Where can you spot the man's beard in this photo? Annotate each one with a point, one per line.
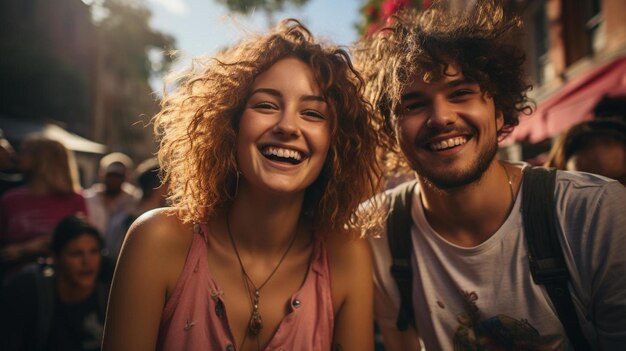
(450, 180)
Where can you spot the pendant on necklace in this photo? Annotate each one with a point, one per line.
(256, 322)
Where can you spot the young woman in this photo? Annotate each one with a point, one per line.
(268, 150)
(29, 214)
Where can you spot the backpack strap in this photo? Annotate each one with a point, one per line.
(399, 237)
(546, 260)
(43, 276)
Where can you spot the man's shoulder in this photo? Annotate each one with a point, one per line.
(573, 187)
(378, 208)
(582, 179)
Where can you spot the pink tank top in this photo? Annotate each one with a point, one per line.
(194, 318)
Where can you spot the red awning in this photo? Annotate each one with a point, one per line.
(573, 103)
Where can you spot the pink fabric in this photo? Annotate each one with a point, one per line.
(25, 215)
(195, 317)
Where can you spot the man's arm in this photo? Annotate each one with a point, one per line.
(606, 254)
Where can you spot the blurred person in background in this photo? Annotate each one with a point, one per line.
(28, 214)
(597, 146)
(10, 176)
(114, 195)
(153, 195)
(612, 107)
(60, 306)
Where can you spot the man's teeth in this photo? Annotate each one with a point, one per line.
(447, 144)
(280, 152)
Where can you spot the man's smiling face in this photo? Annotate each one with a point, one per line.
(447, 129)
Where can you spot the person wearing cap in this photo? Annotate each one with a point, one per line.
(114, 194)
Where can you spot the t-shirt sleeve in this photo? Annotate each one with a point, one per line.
(607, 240)
(595, 227)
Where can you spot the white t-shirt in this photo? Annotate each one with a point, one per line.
(486, 292)
(99, 215)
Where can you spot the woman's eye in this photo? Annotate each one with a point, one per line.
(314, 114)
(264, 106)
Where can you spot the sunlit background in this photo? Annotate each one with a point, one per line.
(86, 71)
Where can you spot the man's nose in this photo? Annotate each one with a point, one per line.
(442, 114)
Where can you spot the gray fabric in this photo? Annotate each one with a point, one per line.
(488, 290)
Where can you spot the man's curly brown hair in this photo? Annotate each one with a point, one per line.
(479, 40)
(198, 125)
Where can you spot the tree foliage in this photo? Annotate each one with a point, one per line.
(132, 53)
(127, 40)
(268, 6)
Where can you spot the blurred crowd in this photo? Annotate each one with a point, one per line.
(59, 242)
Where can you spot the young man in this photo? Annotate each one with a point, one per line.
(60, 306)
(449, 85)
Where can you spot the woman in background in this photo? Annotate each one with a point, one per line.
(29, 214)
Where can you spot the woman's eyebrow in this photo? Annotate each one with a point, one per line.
(313, 98)
(278, 94)
(269, 91)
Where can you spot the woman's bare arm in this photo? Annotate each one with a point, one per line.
(351, 276)
(152, 258)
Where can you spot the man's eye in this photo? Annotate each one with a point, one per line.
(461, 93)
(413, 106)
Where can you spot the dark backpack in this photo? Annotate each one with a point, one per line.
(546, 261)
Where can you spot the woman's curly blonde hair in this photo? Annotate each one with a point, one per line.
(479, 39)
(198, 124)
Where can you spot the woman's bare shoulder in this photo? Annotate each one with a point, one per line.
(160, 226)
(346, 249)
(159, 236)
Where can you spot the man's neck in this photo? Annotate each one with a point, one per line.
(469, 215)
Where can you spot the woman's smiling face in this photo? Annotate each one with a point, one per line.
(284, 131)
